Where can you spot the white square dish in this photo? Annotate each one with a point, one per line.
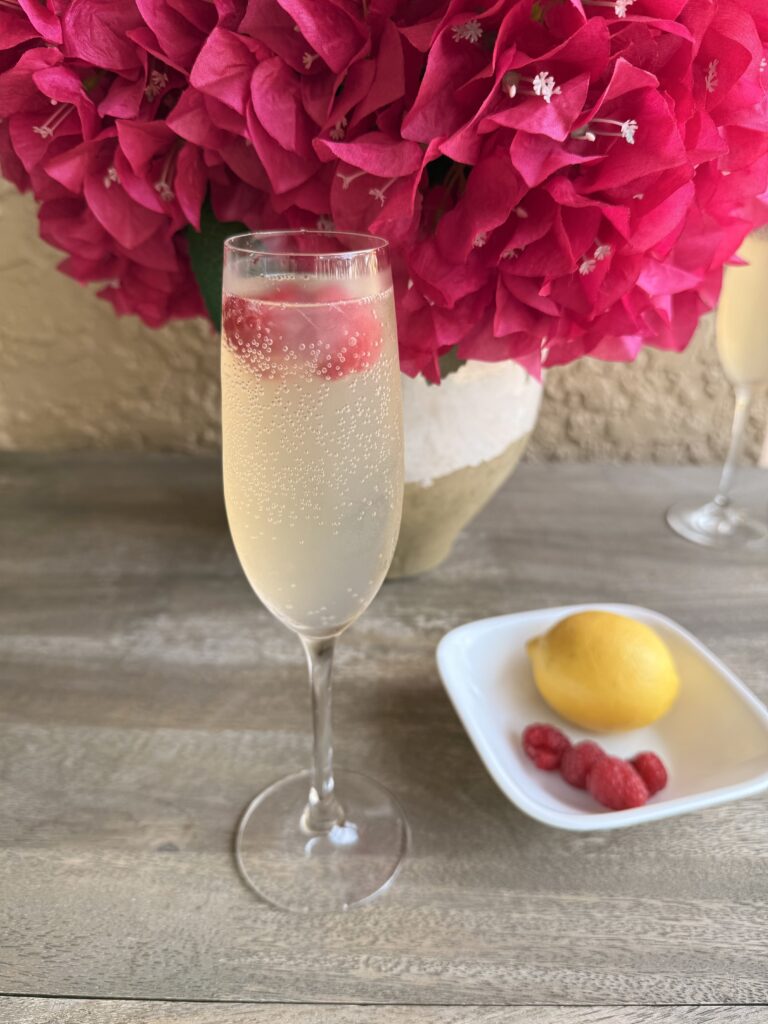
(714, 741)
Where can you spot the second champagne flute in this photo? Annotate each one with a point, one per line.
(313, 481)
(741, 328)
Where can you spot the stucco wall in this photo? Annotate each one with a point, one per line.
(73, 375)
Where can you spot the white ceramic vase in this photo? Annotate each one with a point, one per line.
(463, 439)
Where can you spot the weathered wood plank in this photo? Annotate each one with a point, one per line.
(146, 696)
(98, 1011)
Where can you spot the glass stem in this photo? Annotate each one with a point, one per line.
(740, 413)
(323, 810)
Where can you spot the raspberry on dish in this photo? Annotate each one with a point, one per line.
(615, 784)
(578, 760)
(545, 745)
(651, 770)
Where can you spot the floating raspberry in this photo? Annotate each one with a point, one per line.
(615, 784)
(330, 336)
(651, 770)
(241, 324)
(545, 745)
(578, 760)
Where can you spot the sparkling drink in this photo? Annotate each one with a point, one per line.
(742, 345)
(312, 441)
(313, 465)
(742, 316)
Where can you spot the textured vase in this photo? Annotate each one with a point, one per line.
(463, 439)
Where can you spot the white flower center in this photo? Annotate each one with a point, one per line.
(471, 30)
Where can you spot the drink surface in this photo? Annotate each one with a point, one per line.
(742, 316)
(312, 447)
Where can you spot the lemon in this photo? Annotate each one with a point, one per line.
(604, 671)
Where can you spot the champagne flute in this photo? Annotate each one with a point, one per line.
(313, 483)
(741, 329)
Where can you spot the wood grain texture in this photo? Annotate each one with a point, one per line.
(79, 1011)
(146, 696)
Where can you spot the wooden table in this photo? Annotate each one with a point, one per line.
(146, 696)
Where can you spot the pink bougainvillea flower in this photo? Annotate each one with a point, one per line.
(96, 33)
(223, 69)
(45, 111)
(276, 103)
(493, 191)
(18, 89)
(155, 296)
(41, 19)
(174, 30)
(266, 95)
(375, 153)
(10, 166)
(375, 186)
(555, 180)
(155, 288)
(216, 129)
(274, 32)
(161, 171)
(68, 224)
(333, 28)
(15, 27)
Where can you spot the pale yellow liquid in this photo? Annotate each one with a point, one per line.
(742, 316)
(313, 470)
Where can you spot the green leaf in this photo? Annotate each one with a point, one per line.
(206, 254)
(450, 362)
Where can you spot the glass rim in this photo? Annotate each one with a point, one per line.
(376, 243)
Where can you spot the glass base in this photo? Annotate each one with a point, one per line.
(295, 869)
(717, 526)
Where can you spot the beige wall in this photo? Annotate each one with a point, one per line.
(73, 375)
